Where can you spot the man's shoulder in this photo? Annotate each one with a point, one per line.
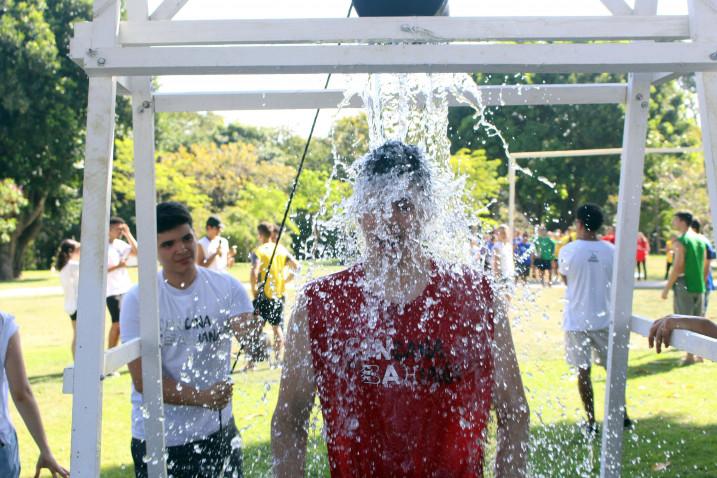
(342, 279)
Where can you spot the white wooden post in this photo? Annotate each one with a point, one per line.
(632, 162)
(145, 207)
(628, 219)
(703, 18)
(511, 195)
(97, 186)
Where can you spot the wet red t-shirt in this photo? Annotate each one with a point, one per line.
(405, 392)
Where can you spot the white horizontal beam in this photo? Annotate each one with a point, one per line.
(681, 339)
(399, 29)
(167, 9)
(509, 95)
(598, 152)
(121, 355)
(465, 58)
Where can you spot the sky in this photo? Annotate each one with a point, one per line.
(299, 121)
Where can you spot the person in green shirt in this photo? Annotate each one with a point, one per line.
(689, 269)
(544, 252)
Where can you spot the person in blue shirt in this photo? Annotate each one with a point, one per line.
(523, 251)
(711, 255)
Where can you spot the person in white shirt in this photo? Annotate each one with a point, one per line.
(213, 252)
(118, 281)
(503, 261)
(199, 311)
(68, 265)
(14, 383)
(586, 268)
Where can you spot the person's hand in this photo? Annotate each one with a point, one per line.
(46, 460)
(660, 333)
(217, 396)
(122, 263)
(124, 229)
(665, 293)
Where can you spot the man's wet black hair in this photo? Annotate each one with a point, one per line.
(696, 225)
(685, 216)
(397, 158)
(172, 214)
(590, 216)
(116, 220)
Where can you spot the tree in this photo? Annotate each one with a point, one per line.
(42, 114)
(11, 202)
(548, 190)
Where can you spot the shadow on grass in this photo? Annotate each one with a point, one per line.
(257, 462)
(656, 365)
(22, 281)
(50, 377)
(658, 446)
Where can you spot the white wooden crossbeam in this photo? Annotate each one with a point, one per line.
(598, 152)
(399, 29)
(509, 95)
(617, 7)
(167, 9)
(680, 339)
(466, 58)
(118, 357)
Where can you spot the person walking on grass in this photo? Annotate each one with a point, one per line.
(199, 311)
(643, 249)
(213, 251)
(269, 285)
(586, 266)
(504, 261)
(711, 255)
(544, 252)
(118, 281)
(14, 383)
(408, 356)
(689, 269)
(67, 264)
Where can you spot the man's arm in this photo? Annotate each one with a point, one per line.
(294, 267)
(130, 239)
(707, 262)
(254, 279)
(661, 329)
(215, 397)
(511, 405)
(246, 327)
(296, 398)
(678, 267)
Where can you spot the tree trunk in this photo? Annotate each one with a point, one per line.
(28, 225)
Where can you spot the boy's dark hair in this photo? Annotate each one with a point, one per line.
(685, 216)
(696, 225)
(590, 216)
(264, 229)
(395, 157)
(116, 220)
(172, 214)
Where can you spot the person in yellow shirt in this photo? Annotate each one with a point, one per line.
(269, 291)
(670, 254)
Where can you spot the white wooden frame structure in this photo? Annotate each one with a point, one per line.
(121, 56)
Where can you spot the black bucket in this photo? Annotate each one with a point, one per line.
(401, 8)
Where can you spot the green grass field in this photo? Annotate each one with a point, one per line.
(675, 407)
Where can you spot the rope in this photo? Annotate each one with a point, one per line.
(292, 193)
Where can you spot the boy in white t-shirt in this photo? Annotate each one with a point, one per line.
(586, 268)
(213, 251)
(118, 281)
(199, 311)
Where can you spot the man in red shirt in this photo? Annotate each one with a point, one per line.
(408, 354)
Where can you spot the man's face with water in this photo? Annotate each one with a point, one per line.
(390, 220)
(176, 249)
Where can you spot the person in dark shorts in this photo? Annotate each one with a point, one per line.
(200, 310)
(544, 251)
(269, 286)
(118, 281)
